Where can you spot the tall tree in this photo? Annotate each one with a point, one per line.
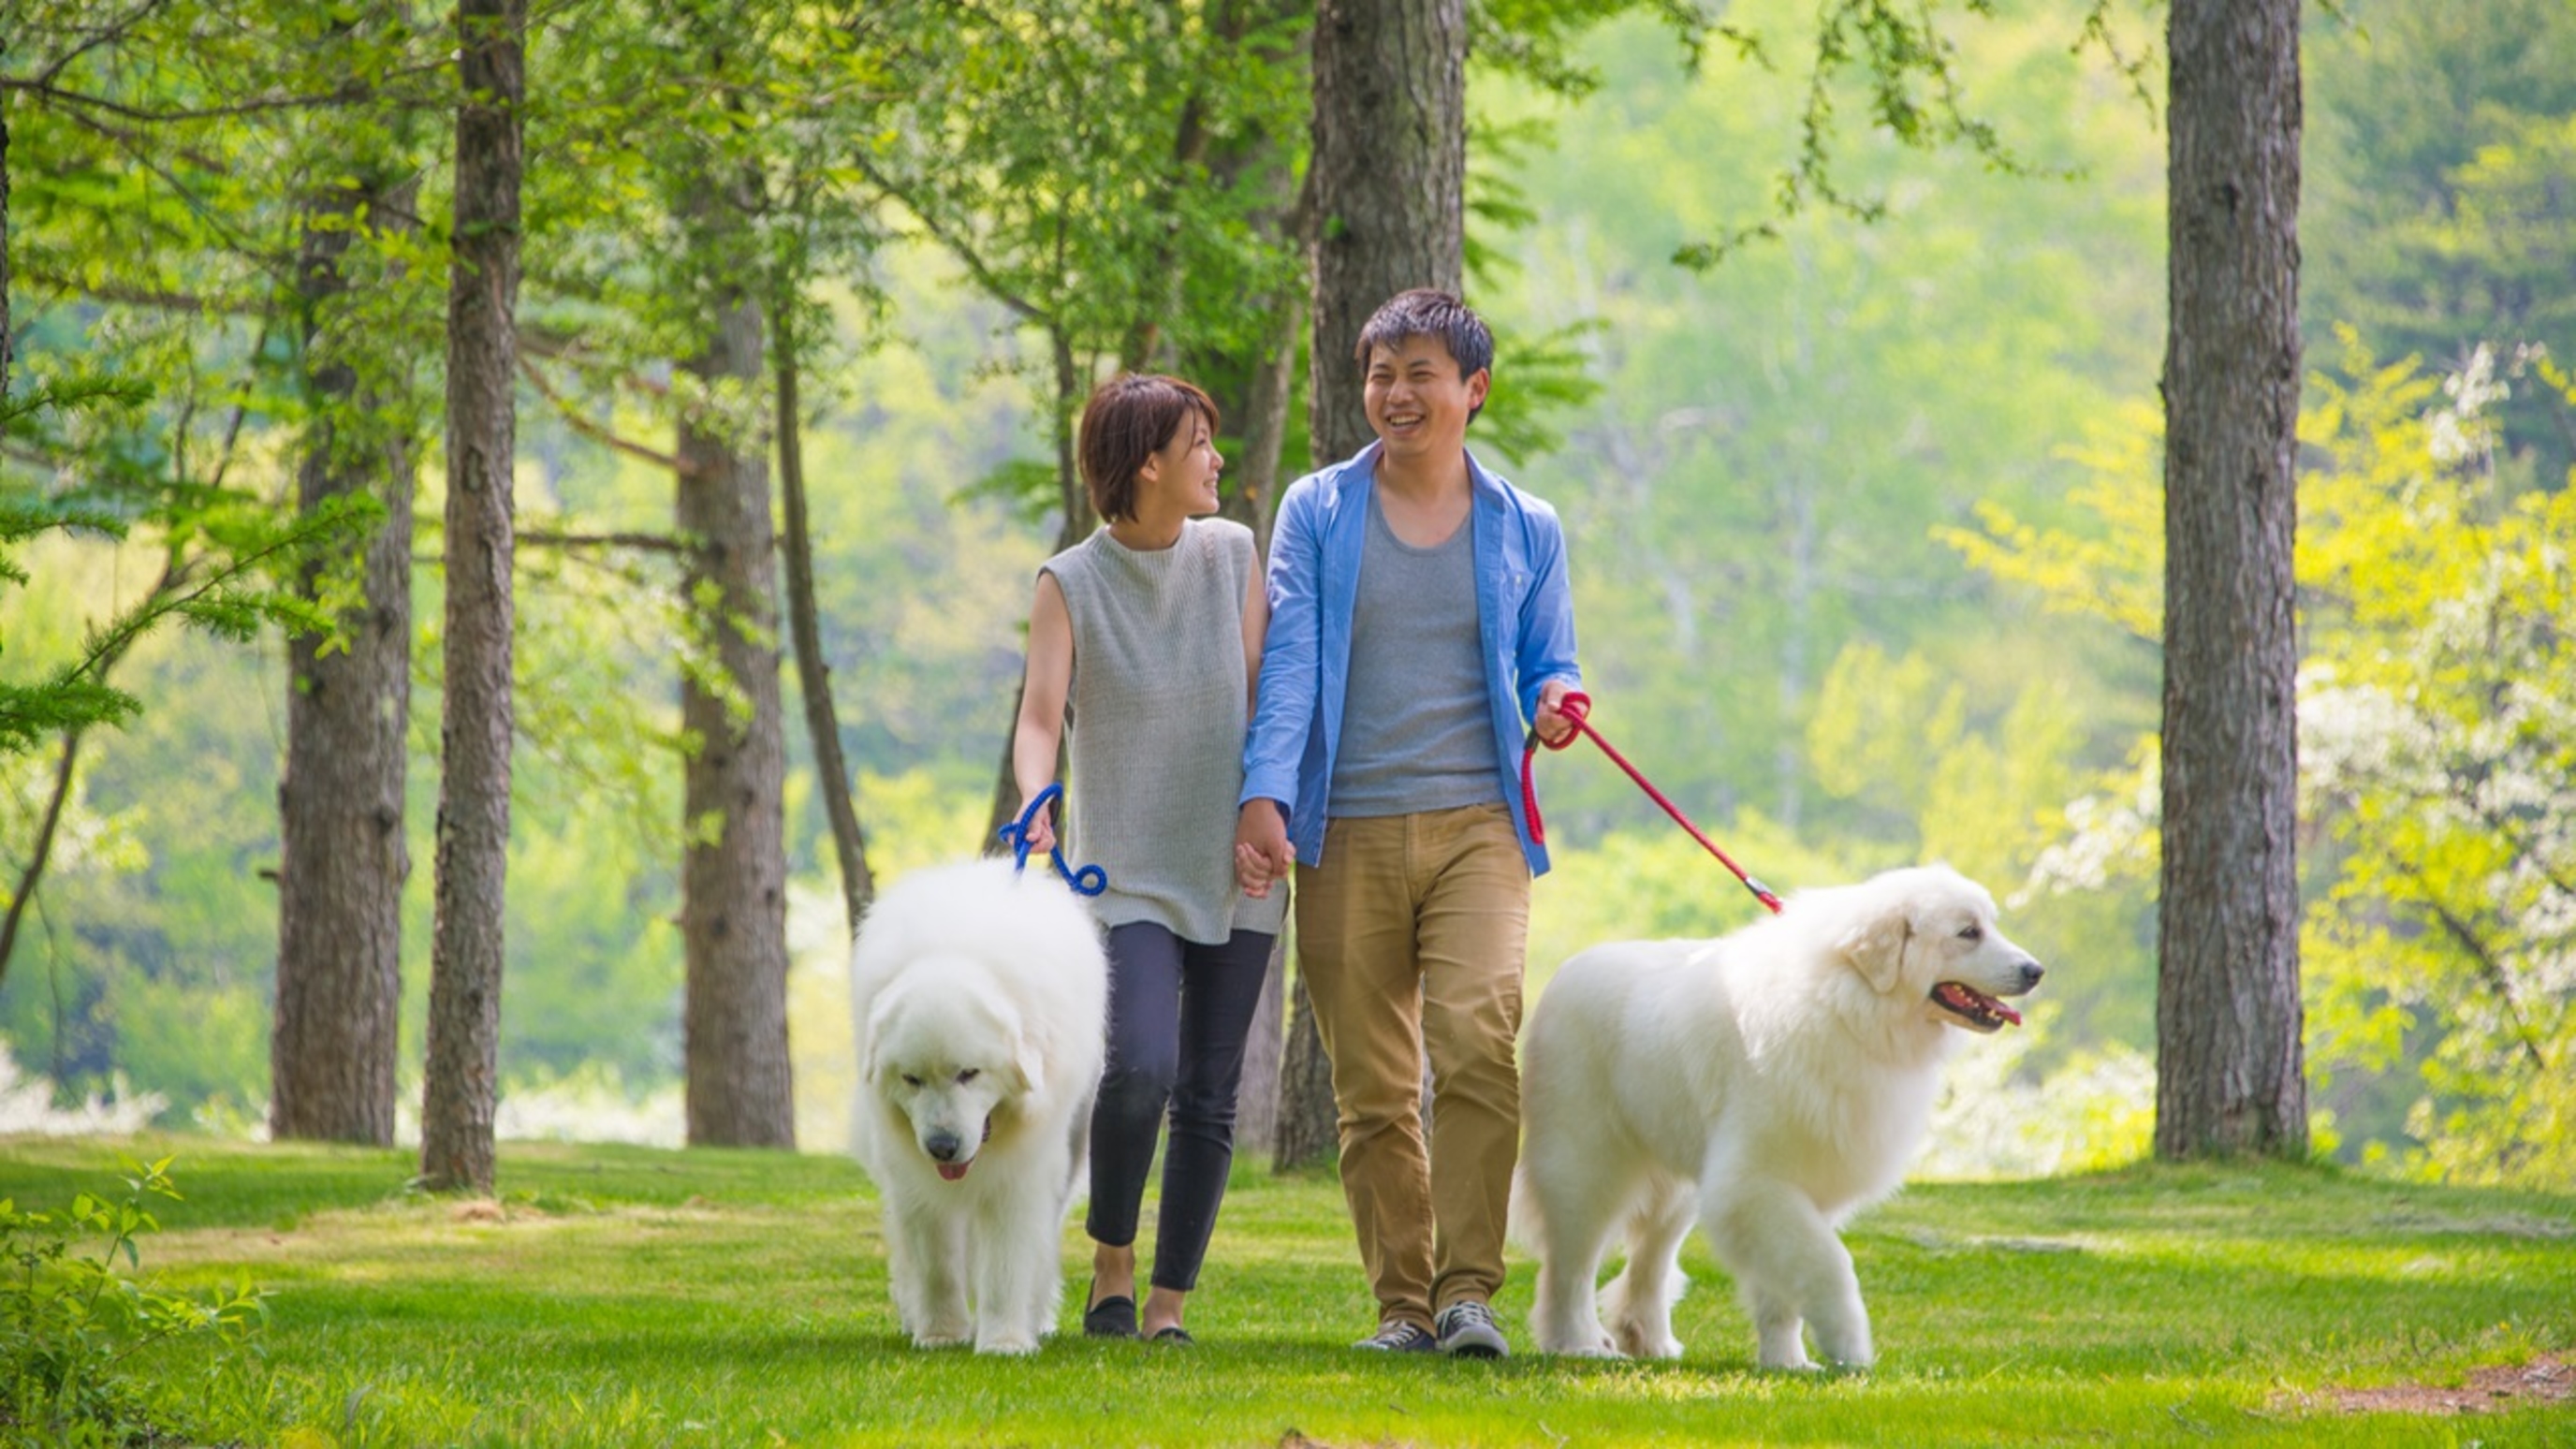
(4, 236)
(1389, 173)
(813, 672)
(460, 1091)
(1390, 179)
(334, 1041)
(733, 878)
(2230, 1076)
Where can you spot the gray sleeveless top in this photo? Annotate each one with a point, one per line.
(1157, 717)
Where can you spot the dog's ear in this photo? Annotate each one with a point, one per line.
(1027, 1063)
(872, 1031)
(1876, 946)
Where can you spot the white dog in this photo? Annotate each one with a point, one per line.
(1769, 1084)
(979, 995)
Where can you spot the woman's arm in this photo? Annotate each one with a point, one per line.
(1256, 623)
(1049, 678)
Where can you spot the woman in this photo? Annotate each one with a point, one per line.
(1150, 630)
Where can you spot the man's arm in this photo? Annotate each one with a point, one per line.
(1284, 704)
(1545, 652)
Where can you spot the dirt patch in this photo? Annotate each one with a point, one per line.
(2541, 1381)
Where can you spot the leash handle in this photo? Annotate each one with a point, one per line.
(1090, 880)
(1577, 707)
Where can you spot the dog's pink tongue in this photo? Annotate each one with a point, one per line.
(952, 1171)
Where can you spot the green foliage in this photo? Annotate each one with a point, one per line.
(2442, 143)
(1898, 65)
(81, 1343)
(2436, 599)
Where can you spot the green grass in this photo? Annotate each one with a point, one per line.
(631, 1296)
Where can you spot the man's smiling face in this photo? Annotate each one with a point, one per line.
(1416, 400)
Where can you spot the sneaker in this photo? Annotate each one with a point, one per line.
(1467, 1330)
(1397, 1336)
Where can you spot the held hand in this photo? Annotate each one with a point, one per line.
(1553, 724)
(1261, 850)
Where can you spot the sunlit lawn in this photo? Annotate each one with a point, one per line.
(632, 1296)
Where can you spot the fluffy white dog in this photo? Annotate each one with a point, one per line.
(1769, 1084)
(979, 995)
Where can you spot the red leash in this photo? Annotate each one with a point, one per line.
(1575, 706)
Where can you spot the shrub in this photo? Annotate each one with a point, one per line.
(73, 1330)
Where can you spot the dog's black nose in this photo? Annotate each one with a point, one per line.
(2031, 971)
(941, 1145)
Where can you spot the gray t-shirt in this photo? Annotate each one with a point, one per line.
(1417, 726)
(1157, 714)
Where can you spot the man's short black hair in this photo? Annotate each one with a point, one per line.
(1424, 312)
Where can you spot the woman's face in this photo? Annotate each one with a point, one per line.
(1184, 471)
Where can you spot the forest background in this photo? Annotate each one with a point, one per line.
(1865, 521)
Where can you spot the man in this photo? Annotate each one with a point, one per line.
(1419, 612)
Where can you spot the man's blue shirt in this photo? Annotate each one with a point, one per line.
(1524, 608)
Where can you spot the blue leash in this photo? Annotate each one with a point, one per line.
(1091, 880)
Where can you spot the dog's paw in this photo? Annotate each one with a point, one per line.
(1596, 1344)
(939, 1338)
(1015, 1344)
(1636, 1342)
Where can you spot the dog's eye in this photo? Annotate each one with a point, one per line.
(1971, 932)
(910, 1080)
(968, 1075)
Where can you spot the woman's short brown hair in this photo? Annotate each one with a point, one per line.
(1127, 421)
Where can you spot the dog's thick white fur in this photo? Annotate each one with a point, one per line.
(979, 995)
(1767, 1084)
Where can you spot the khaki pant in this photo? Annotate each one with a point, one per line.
(1412, 934)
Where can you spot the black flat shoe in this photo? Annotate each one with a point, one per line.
(1173, 1334)
(1110, 1317)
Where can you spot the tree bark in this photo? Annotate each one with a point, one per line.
(461, 1089)
(334, 1042)
(1079, 520)
(1389, 176)
(1256, 504)
(2230, 1076)
(4, 239)
(813, 672)
(1265, 1049)
(734, 874)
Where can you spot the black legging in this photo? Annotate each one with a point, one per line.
(1179, 1014)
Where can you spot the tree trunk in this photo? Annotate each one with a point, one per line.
(1256, 505)
(1389, 181)
(813, 674)
(4, 239)
(334, 1043)
(734, 875)
(1079, 520)
(461, 1090)
(1390, 173)
(1305, 1132)
(2230, 1077)
(1256, 1120)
